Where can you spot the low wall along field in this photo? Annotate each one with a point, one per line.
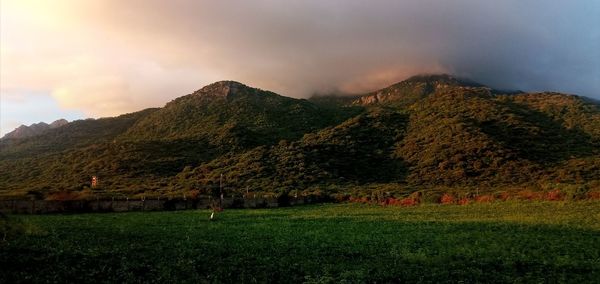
(123, 205)
(23, 206)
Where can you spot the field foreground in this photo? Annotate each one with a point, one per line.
(496, 242)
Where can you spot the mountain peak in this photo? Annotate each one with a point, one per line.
(416, 88)
(221, 89)
(58, 123)
(225, 84)
(442, 79)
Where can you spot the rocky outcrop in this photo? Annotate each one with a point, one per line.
(418, 87)
(58, 123)
(222, 89)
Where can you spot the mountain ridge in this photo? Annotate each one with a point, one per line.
(34, 129)
(428, 132)
(223, 88)
(226, 88)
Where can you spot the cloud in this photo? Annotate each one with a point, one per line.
(110, 57)
(31, 108)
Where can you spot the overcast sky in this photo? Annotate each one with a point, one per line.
(77, 59)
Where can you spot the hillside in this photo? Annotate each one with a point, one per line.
(144, 150)
(231, 115)
(431, 132)
(69, 136)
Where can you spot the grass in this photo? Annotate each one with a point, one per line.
(496, 242)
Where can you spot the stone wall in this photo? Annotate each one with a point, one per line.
(124, 205)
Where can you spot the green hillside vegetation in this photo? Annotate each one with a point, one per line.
(356, 151)
(231, 115)
(76, 134)
(431, 132)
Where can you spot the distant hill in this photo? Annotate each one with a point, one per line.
(69, 136)
(35, 129)
(427, 132)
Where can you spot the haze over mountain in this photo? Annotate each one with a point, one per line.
(427, 132)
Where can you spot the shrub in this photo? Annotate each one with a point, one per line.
(555, 195)
(578, 193)
(283, 199)
(391, 201)
(63, 196)
(431, 197)
(409, 201)
(417, 196)
(504, 196)
(358, 200)
(193, 194)
(529, 195)
(484, 198)
(447, 199)
(595, 195)
(340, 197)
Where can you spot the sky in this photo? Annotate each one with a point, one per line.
(75, 59)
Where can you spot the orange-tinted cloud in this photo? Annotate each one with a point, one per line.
(106, 57)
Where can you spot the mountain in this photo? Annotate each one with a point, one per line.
(35, 129)
(70, 136)
(429, 132)
(232, 115)
(147, 148)
(418, 87)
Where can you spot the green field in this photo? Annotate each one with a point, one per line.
(496, 242)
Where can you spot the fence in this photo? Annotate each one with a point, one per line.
(123, 205)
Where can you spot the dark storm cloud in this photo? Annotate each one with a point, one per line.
(298, 47)
(107, 57)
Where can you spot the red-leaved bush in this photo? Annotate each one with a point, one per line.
(391, 201)
(555, 195)
(593, 195)
(358, 200)
(409, 201)
(504, 196)
(412, 200)
(529, 195)
(484, 198)
(447, 199)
